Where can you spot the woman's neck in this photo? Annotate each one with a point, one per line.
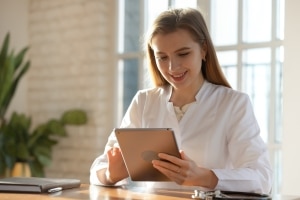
(183, 96)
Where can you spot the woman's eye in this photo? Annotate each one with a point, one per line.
(184, 54)
(161, 58)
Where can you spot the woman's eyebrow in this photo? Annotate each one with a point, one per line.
(176, 51)
(182, 49)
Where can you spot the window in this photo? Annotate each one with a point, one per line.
(129, 51)
(248, 36)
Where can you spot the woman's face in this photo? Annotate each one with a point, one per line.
(179, 58)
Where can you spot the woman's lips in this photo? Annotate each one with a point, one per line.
(178, 77)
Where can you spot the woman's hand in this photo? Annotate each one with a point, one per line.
(116, 170)
(184, 171)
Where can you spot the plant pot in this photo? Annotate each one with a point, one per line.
(21, 169)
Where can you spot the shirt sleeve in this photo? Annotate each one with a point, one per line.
(130, 120)
(250, 170)
(101, 162)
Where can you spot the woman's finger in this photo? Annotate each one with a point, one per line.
(170, 158)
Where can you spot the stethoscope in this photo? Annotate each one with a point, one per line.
(228, 195)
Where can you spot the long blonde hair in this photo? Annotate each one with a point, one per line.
(191, 20)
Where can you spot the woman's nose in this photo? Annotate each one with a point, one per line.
(173, 64)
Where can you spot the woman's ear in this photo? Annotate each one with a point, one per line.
(203, 50)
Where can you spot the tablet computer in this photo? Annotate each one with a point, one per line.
(140, 146)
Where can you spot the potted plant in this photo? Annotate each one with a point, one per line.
(12, 69)
(18, 143)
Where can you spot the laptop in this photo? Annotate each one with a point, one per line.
(140, 146)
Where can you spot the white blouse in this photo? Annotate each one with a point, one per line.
(218, 131)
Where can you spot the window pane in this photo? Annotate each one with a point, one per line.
(278, 93)
(130, 30)
(153, 9)
(224, 19)
(280, 20)
(184, 3)
(257, 20)
(129, 79)
(228, 62)
(256, 83)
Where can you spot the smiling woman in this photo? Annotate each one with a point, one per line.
(218, 135)
(251, 61)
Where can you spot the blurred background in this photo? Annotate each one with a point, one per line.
(88, 54)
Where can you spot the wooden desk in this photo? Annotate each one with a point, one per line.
(99, 193)
(90, 192)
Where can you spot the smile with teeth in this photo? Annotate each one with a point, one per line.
(178, 75)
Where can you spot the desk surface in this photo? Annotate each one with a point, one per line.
(90, 192)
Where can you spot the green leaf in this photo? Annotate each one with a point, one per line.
(43, 155)
(20, 121)
(19, 57)
(45, 141)
(4, 49)
(18, 130)
(10, 161)
(6, 82)
(2, 164)
(13, 87)
(74, 117)
(39, 132)
(8, 144)
(23, 152)
(2, 137)
(55, 127)
(36, 168)
(10, 147)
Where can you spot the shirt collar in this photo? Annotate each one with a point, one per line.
(168, 91)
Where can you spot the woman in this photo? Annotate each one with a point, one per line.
(214, 126)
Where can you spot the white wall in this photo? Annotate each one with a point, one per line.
(72, 54)
(14, 18)
(291, 100)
